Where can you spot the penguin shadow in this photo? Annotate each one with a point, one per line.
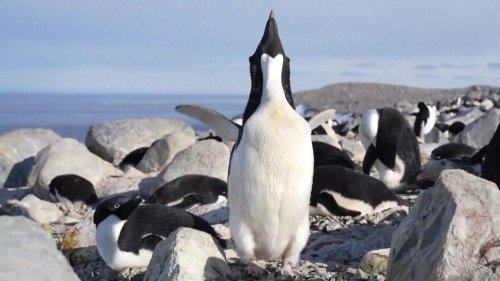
(19, 173)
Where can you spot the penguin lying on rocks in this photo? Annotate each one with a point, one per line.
(127, 232)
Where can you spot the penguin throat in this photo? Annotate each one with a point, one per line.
(271, 76)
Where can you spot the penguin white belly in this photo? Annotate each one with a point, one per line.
(270, 183)
(431, 121)
(107, 234)
(391, 177)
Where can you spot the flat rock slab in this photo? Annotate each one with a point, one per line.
(114, 140)
(453, 233)
(479, 133)
(30, 253)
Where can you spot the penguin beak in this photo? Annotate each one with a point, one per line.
(270, 43)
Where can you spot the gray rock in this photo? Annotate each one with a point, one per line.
(115, 140)
(163, 151)
(375, 262)
(214, 213)
(453, 233)
(479, 133)
(17, 151)
(333, 141)
(405, 107)
(67, 156)
(353, 148)
(187, 254)
(30, 253)
(209, 157)
(486, 105)
(78, 243)
(38, 210)
(18, 193)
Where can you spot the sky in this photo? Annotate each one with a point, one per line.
(173, 47)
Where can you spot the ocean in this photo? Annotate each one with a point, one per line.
(71, 115)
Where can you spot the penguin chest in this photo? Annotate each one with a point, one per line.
(275, 151)
(107, 234)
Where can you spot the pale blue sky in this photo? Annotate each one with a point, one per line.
(203, 46)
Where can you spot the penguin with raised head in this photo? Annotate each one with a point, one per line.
(72, 188)
(127, 232)
(490, 168)
(271, 167)
(425, 119)
(391, 145)
(339, 191)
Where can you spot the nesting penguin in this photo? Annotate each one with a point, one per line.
(452, 150)
(425, 119)
(391, 146)
(127, 232)
(325, 154)
(72, 188)
(339, 191)
(271, 167)
(188, 190)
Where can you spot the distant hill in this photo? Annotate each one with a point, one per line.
(357, 97)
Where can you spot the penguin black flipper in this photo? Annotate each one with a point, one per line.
(387, 137)
(225, 128)
(369, 160)
(328, 201)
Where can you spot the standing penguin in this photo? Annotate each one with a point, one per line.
(391, 145)
(271, 168)
(425, 119)
(127, 233)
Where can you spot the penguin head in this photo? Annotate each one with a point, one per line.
(269, 69)
(120, 206)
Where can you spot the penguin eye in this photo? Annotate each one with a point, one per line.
(116, 206)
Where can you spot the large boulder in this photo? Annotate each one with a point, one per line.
(208, 157)
(67, 156)
(30, 253)
(115, 140)
(453, 233)
(479, 133)
(163, 151)
(17, 151)
(187, 254)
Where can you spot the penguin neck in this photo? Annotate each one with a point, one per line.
(272, 90)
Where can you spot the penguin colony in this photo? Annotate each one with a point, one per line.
(277, 176)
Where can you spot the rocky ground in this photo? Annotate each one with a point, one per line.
(459, 211)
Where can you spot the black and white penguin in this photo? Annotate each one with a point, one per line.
(133, 158)
(325, 154)
(271, 167)
(127, 232)
(453, 130)
(391, 145)
(490, 168)
(72, 188)
(188, 190)
(339, 191)
(452, 150)
(425, 119)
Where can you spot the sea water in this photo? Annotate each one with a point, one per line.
(71, 115)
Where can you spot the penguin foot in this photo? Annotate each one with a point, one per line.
(254, 269)
(288, 271)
